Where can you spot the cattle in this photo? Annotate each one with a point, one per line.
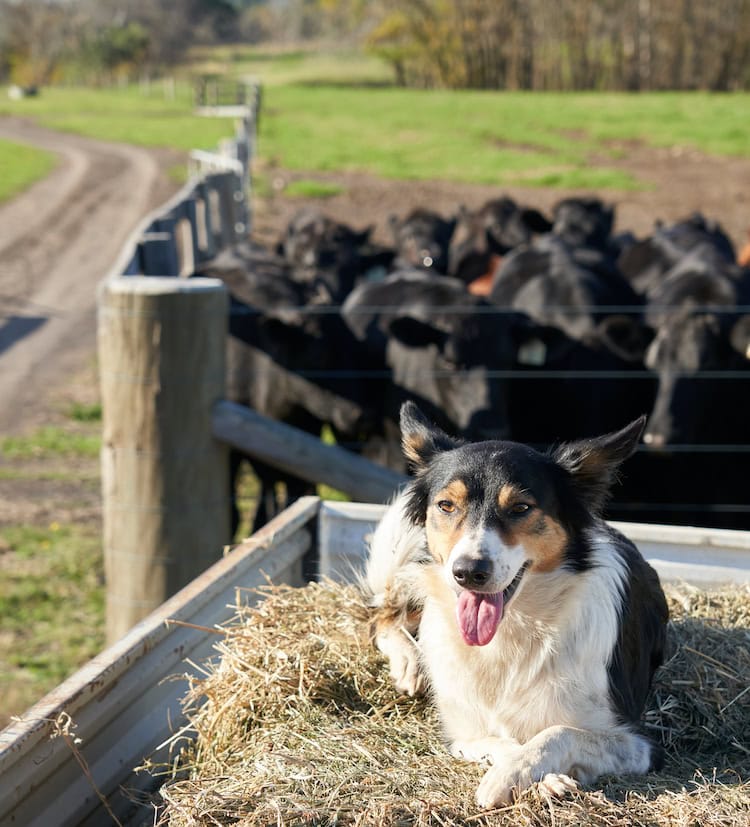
(645, 262)
(556, 284)
(482, 236)
(322, 249)
(421, 240)
(287, 351)
(563, 347)
(432, 341)
(583, 222)
(694, 468)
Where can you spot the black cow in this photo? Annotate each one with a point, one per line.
(287, 351)
(430, 340)
(583, 222)
(421, 240)
(322, 249)
(573, 289)
(699, 428)
(480, 236)
(645, 262)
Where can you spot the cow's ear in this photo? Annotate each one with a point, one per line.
(740, 337)
(593, 463)
(420, 439)
(363, 236)
(534, 220)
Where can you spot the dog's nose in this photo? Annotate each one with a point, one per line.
(471, 573)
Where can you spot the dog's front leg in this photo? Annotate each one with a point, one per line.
(397, 643)
(559, 757)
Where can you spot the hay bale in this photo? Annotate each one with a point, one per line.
(296, 722)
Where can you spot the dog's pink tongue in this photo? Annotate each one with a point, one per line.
(479, 616)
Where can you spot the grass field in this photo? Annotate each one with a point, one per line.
(337, 111)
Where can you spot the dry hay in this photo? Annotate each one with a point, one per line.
(296, 722)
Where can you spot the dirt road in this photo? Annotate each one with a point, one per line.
(57, 241)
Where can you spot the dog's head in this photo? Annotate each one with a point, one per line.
(493, 511)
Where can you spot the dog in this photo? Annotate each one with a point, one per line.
(535, 626)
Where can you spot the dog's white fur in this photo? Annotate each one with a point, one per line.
(535, 701)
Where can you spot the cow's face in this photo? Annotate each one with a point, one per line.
(422, 240)
(683, 352)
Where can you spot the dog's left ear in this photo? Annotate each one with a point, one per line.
(420, 439)
(594, 462)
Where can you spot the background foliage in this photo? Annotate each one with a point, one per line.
(482, 44)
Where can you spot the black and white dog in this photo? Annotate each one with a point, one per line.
(536, 626)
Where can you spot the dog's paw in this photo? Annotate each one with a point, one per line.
(499, 785)
(506, 780)
(403, 661)
(557, 785)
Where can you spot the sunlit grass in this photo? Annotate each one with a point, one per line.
(307, 188)
(51, 607)
(20, 166)
(491, 137)
(143, 116)
(50, 441)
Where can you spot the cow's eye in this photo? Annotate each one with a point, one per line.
(446, 506)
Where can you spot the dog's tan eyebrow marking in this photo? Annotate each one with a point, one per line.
(511, 494)
(456, 491)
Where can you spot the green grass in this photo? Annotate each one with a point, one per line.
(51, 607)
(80, 412)
(307, 188)
(129, 115)
(20, 166)
(490, 137)
(51, 441)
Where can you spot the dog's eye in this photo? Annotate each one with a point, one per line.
(446, 506)
(520, 508)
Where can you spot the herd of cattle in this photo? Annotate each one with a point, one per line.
(507, 323)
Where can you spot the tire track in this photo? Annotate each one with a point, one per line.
(57, 242)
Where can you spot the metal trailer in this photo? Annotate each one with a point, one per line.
(126, 702)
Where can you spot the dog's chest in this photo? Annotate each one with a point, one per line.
(520, 683)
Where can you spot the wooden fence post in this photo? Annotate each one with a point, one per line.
(165, 479)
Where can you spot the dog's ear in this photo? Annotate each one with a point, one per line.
(593, 463)
(420, 439)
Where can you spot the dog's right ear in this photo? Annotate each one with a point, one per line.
(420, 439)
